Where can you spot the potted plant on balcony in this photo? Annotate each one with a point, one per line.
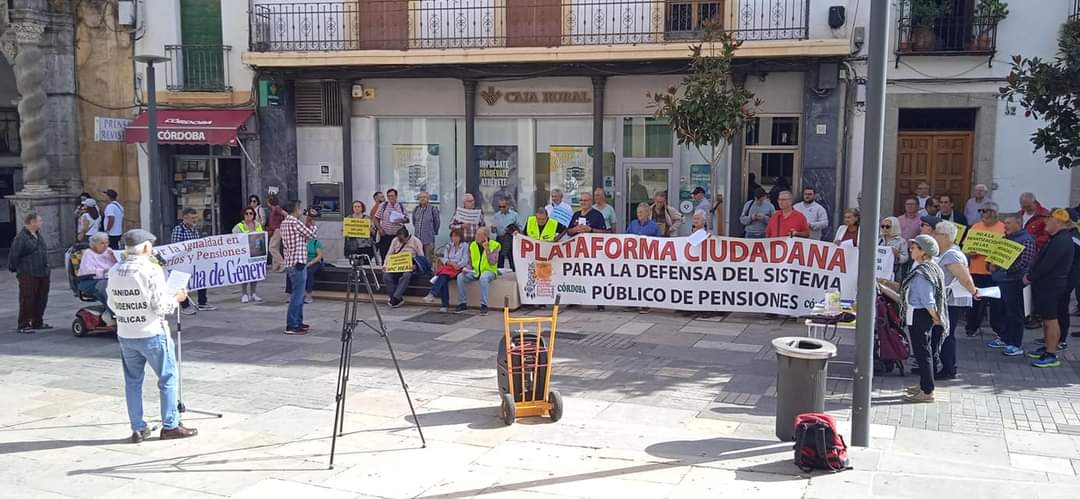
(924, 18)
(988, 13)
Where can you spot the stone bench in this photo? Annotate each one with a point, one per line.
(331, 282)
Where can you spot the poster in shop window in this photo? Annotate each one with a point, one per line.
(416, 170)
(571, 171)
(786, 276)
(498, 176)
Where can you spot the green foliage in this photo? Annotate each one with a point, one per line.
(708, 108)
(1051, 91)
(925, 13)
(992, 8)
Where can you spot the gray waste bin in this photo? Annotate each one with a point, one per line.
(801, 367)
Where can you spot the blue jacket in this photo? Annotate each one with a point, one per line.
(1023, 262)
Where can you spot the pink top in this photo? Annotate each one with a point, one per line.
(96, 264)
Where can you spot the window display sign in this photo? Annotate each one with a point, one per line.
(700, 176)
(416, 170)
(571, 171)
(498, 176)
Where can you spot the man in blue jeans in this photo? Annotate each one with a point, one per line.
(140, 301)
(483, 267)
(294, 237)
(1010, 282)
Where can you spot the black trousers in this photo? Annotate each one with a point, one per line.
(506, 251)
(384, 245)
(114, 242)
(921, 334)
(33, 297)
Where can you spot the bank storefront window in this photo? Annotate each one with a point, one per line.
(420, 154)
(504, 152)
(564, 158)
(647, 138)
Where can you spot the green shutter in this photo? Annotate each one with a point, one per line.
(200, 35)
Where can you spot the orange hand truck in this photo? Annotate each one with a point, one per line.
(524, 366)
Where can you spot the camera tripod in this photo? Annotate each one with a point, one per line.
(180, 372)
(357, 275)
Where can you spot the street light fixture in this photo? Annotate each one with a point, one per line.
(154, 177)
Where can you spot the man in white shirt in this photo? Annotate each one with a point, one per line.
(113, 222)
(140, 301)
(978, 199)
(813, 211)
(557, 200)
(922, 194)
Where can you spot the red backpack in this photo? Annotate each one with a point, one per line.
(892, 344)
(818, 446)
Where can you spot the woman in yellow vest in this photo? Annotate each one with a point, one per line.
(541, 227)
(248, 226)
(483, 267)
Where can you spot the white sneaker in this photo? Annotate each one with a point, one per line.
(255, 298)
(244, 299)
(429, 298)
(308, 299)
(191, 310)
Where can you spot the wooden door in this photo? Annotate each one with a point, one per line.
(941, 159)
(384, 24)
(533, 23)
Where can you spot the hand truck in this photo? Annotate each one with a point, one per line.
(524, 366)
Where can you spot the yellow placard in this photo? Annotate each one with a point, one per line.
(1004, 253)
(980, 242)
(961, 229)
(356, 227)
(399, 262)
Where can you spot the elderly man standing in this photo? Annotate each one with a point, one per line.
(468, 218)
(138, 294)
(666, 217)
(425, 219)
(188, 230)
(586, 219)
(980, 272)
(389, 218)
(787, 222)
(954, 264)
(813, 211)
(978, 199)
(483, 267)
(910, 221)
(1010, 282)
(1035, 218)
(506, 224)
(557, 201)
(28, 259)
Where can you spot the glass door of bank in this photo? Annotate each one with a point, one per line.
(641, 182)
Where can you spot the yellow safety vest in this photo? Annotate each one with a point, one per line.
(532, 229)
(243, 228)
(480, 263)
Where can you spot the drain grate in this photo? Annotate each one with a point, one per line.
(570, 336)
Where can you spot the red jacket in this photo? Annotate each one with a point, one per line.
(1036, 226)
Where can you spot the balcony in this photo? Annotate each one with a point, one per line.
(9, 132)
(197, 68)
(945, 34)
(403, 25)
(1074, 15)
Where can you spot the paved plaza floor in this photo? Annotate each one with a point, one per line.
(657, 405)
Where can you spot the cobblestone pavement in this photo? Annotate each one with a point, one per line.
(657, 405)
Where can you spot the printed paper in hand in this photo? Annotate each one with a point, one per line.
(994, 292)
(562, 214)
(697, 237)
(396, 216)
(177, 280)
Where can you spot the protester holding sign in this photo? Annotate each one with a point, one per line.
(397, 279)
(699, 222)
(988, 222)
(850, 230)
(248, 225)
(890, 236)
(557, 208)
(390, 217)
(187, 230)
(586, 219)
(543, 228)
(787, 222)
(645, 226)
(1049, 279)
(483, 267)
(468, 218)
(357, 243)
(1010, 281)
(960, 290)
(924, 311)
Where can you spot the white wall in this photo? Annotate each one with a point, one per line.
(159, 22)
(819, 17)
(1018, 169)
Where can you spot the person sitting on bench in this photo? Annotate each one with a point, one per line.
(483, 267)
(398, 282)
(93, 272)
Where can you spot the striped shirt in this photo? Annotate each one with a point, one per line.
(426, 221)
(294, 237)
(390, 218)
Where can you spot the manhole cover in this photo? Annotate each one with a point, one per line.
(438, 318)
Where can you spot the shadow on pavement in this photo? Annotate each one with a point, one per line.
(477, 418)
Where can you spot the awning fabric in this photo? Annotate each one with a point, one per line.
(190, 126)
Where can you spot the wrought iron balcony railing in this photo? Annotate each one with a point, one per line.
(411, 24)
(945, 34)
(197, 68)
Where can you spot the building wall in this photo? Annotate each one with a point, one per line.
(106, 85)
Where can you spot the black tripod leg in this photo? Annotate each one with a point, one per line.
(404, 387)
(339, 398)
(345, 387)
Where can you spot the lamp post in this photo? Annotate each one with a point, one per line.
(154, 177)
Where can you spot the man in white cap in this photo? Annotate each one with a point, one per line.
(141, 302)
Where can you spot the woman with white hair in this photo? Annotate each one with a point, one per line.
(890, 236)
(699, 222)
(93, 273)
(954, 264)
(924, 311)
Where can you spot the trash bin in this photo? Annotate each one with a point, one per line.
(801, 367)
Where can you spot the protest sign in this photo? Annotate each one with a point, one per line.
(1004, 253)
(961, 229)
(883, 263)
(782, 276)
(399, 262)
(217, 261)
(356, 227)
(980, 242)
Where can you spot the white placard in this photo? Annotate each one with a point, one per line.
(697, 237)
(883, 263)
(177, 280)
(993, 292)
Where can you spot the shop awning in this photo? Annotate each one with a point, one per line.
(191, 126)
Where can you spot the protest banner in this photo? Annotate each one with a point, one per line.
(883, 263)
(782, 276)
(961, 229)
(1004, 253)
(356, 227)
(980, 242)
(399, 262)
(217, 261)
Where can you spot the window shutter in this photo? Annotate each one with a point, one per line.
(318, 103)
